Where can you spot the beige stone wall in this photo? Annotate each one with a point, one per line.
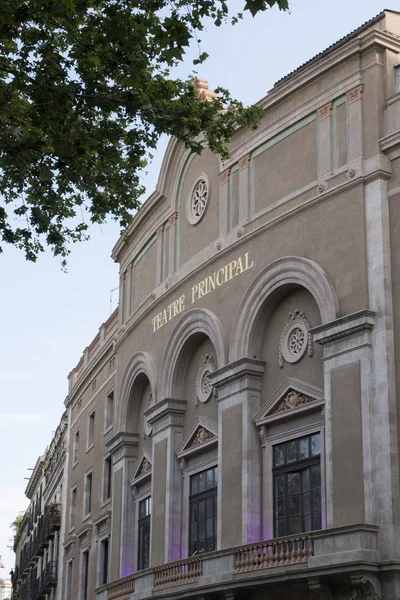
(144, 274)
(285, 167)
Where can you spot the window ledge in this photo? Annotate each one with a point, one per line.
(109, 428)
(89, 447)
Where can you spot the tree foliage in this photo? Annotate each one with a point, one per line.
(85, 92)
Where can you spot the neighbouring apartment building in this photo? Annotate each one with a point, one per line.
(37, 544)
(234, 427)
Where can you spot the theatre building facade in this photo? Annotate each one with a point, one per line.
(233, 427)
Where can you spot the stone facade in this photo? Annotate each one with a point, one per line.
(250, 372)
(38, 546)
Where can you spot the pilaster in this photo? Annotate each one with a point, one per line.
(325, 140)
(159, 254)
(347, 341)
(239, 392)
(166, 418)
(123, 449)
(244, 184)
(172, 242)
(384, 408)
(224, 178)
(355, 123)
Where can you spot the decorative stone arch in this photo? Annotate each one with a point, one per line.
(286, 271)
(196, 321)
(140, 363)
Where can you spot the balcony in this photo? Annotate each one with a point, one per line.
(46, 581)
(294, 560)
(46, 527)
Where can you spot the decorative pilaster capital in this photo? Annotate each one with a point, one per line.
(343, 327)
(129, 269)
(160, 231)
(224, 176)
(244, 162)
(355, 94)
(325, 111)
(244, 367)
(173, 219)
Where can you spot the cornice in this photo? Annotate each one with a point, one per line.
(390, 142)
(244, 367)
(122, 439)
(343, 327)
(164, 408)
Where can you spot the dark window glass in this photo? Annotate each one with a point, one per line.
(297, 486)
(88, 495)
(107, 479)
(104, 562)
(144, 534)
(85, 575)
(203, 512)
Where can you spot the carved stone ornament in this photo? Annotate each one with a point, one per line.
(244, 162)
(292, 400)
(224, 177)
(325, 111)
(144, 467)
(147, 428)
(355, 94)
(204, 390)
(296, 339)
(202, 435)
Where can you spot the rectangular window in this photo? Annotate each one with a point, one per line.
(85, 575)
(90, 441)
(76, 447)
(69, 581)
(109, 410)
(144, 534)
(203, 512)
(107, 479)
(103, 562)
(73, 508)
(297, 486)
(88, 494)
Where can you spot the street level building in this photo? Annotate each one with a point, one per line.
(234, 426)
(39, 565)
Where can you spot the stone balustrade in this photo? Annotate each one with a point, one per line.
(274, 553)
(177, 573)
(121, 589)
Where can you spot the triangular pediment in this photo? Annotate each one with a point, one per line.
(143, 466)
(292, 395)
(202, 434)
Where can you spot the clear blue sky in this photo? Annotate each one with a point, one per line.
(49, 317)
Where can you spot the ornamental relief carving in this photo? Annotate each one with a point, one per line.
(144, 467)
(296, 339)
(292, 400)
(202, 435)
(147, 428)
(203, 389)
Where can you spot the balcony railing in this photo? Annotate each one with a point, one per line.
(46, 581)
(46, 527)
(273, 553)
(177, 573)
(121, 589)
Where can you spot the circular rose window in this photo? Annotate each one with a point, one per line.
(198, 199)
(294, 341)
(204, 389)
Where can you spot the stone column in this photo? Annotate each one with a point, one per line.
(166, 418)
(355, 123)
(348, 413)
(244, 186)
(159, 259)
(239, 455)
(383, 388)
(172, 242)
(224, 201)
(325, 140)
(123, 449)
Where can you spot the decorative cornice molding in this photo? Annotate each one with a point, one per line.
(325, 111)
(244, 367)
(122, 440)
(343, 327)
(314, 396)
(355, 94)
(164, 408)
